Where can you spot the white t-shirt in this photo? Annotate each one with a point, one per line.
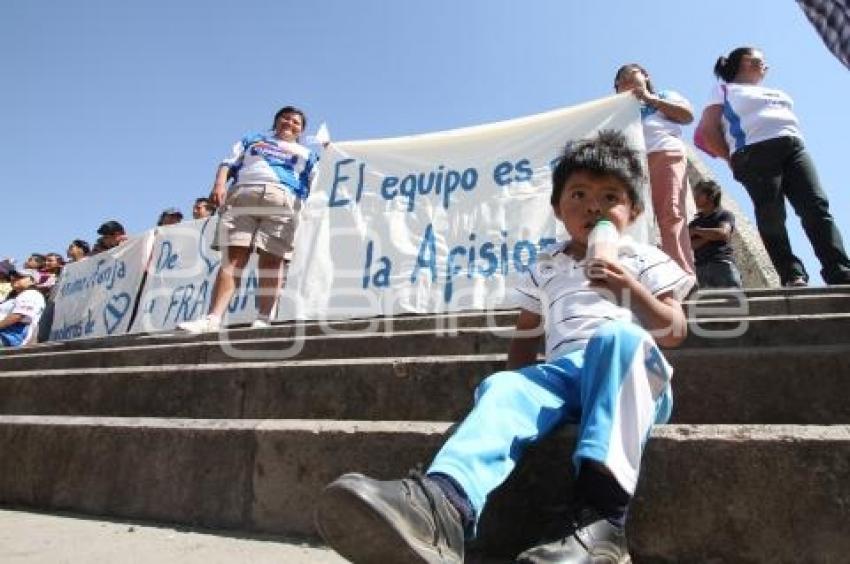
(30, 304)
(556, 288)
(754, 113)
(659, 132)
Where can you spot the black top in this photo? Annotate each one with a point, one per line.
(714, 250)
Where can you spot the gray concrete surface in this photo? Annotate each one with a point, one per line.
(43, 538)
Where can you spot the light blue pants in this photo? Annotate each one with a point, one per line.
(616, 389)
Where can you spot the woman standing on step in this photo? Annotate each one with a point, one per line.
(271, 176)
(755, 130)
(662, 114)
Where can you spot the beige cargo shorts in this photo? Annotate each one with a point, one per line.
(262, 216)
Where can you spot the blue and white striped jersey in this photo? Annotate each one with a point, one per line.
(264, 159)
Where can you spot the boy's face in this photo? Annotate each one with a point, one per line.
(74, 252)
(587, 198)
(702, 201)
(21, 283)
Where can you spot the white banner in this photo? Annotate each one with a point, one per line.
(181, 275)
(96, 296)
(437, 222)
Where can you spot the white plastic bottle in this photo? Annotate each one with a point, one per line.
(603, 241)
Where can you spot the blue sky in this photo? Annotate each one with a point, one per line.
(116, 110)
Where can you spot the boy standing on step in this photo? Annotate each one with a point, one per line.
(603, 371)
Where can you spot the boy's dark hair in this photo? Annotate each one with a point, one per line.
(711, 189)
(606, 154)
(727, 67)
(290, 110)
(79, 243)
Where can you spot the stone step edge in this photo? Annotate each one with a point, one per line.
(501, 330)
(671, 354)
(683, 432)
(709, 296)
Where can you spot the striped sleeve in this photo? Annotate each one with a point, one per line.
(661, 275)
(526, 294)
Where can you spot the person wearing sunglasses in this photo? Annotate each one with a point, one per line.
(755, 130)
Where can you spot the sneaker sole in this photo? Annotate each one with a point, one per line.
(357, 530)
(627, 559)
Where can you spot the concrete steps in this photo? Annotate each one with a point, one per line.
(706, 304)
(207, 432)
(709, 333)
(716, 486)
(793, 385)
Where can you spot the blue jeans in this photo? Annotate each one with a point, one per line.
(718, 274)
(615, 389)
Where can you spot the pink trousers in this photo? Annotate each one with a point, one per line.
(669, 182)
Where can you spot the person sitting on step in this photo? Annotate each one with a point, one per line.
(19, 314)
(603, 371)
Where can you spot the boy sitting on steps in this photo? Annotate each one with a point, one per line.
(603, 371)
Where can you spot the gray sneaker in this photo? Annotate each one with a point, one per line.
(390, 522)
(590, 539)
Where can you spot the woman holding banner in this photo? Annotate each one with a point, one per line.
(662, 114)
(271, 176)
(754, 129)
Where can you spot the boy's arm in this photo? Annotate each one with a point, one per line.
(721, 233)
(525, 343)
(12, 319)
(698, 242)
(661, 315)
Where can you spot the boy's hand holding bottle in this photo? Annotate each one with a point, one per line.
(602, 266)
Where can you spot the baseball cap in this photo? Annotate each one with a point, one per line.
(23, 272)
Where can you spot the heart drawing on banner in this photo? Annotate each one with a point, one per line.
(115, 310)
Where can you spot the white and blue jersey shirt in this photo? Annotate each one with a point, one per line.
(265, 159)
(659, 132)
(752, 114)
(30, 305)
(557, 288)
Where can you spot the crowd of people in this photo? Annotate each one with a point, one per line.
(603, 318)
(750, 126)
(40, 272)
